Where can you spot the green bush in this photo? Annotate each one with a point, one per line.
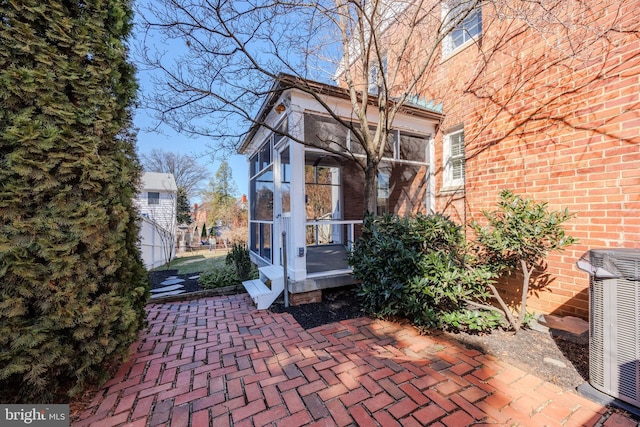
(419, 268)
(520, 234)
(72, 284)
(239, 258)
(219, 277)
(237, 269)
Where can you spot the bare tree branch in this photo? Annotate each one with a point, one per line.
(187, 172)
(219, 59)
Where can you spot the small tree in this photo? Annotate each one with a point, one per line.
(521, 233)
(167, 236)
(183, 215)
(203, 235)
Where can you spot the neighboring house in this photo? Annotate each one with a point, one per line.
(200, 215)
(517, 111)
(156, 203)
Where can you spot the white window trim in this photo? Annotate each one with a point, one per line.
(447, 44)
(449, 183)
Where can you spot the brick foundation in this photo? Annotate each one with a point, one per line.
(305, 298)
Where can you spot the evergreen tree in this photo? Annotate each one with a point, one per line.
(183, 208)
(72, 281)
(224, 187)
(204, 231)
(221, 196)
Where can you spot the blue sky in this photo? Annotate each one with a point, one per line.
(169, 140)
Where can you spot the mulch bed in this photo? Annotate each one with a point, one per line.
(337, 304)
(555, 360)
(560, 362)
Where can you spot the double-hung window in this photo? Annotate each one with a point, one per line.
(454, 159)
(463, 23)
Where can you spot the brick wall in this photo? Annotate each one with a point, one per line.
(352, 195)
(556, 127)
(551, 110)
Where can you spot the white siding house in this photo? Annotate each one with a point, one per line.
(157, 203)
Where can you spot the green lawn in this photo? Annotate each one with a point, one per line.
(190, 263)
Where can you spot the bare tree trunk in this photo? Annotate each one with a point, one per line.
(525, 291)
(506, 310)
(370, 189)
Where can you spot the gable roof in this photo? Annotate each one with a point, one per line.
(159, 181)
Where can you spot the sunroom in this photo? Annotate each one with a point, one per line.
(306, 204)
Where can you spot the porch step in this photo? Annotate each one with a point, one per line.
(261, 294)
(272, 272)
(258, 291)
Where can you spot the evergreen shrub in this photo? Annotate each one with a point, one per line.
(239, 258)
(72, 283)
(219, 277)
(519, 235)
(237, 269)
(418, 268)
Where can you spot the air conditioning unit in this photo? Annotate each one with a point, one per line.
(614, 322)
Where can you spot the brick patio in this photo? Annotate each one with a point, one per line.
(219, 362)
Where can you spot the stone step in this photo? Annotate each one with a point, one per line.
(167, 294)
(171, 281)
(167, 288)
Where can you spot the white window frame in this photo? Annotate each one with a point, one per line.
(448, 157)
(448, 13)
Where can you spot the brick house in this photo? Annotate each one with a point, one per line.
(556, 126)
(547, 109)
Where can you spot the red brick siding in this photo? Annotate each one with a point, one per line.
(559, 127)
(565, 132)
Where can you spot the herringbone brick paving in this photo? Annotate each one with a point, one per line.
(219, 362)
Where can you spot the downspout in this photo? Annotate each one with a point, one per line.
(284, 266)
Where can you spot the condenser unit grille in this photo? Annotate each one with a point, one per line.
(596, 338)
(614, 322)
(626, 345)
